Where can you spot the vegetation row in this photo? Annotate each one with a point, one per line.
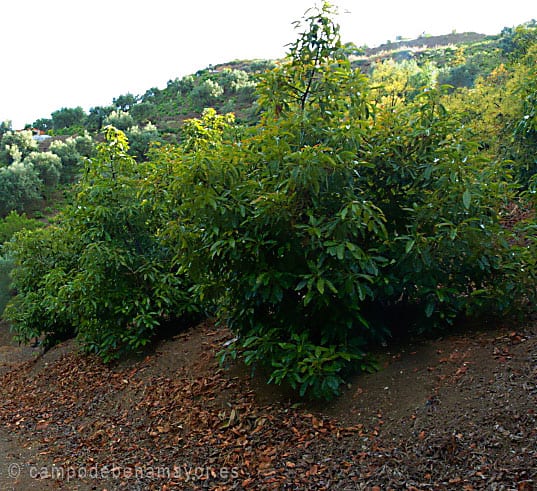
(351, 207)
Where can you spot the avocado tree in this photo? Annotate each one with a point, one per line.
(100, 272)
(281, 236)
(308, 229)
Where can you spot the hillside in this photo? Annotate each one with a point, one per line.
(429, 42)
(337, 290)
(228, 87)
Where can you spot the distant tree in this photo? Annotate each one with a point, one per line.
(68, 117)
(140, 140)
(43, 124)
(206, 93)
(260, 66)
(48, 167)
(19, 187)
(15, 145)
(70, 157)
(151, 94)
(85, 145)
(5, 126)
(96, 117)
(121, 120)
(186, 85)
(352, 49)
(234, 80)
(520, 110)
(125, 102)
(398, 82)
(515, 42)
(144, 112)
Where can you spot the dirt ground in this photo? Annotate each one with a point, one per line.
(454, 413)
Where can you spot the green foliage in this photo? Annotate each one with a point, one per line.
(43, 259)
(121, 120)
(144, 112)
(448, 252)
(68, 117)
(101, 271)
(126, 102)
(20, 187)
(516, 41)
(402, 81)
(72, 153)
(6, 266)
(85, 145)
(466, 70)
(351, 209)
(5, 126)
(206, 93)
(336, 211)
(141, 139)
(280, 236)
(500, 111)
(96, 117)
(48, 167)
(9, 226)
(14, 223)
(43, 124)
(522, 108)
(15, 146)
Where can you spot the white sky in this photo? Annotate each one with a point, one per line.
(68, 53)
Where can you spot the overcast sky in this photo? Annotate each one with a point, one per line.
(67, 53)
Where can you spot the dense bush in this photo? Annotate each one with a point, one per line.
(43, 259)
(15, 146)
(20, 187)
(48, 167)
(14, 223)
(100, 272)
(9, 226)
(308, 229)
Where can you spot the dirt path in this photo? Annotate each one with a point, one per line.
(18, 468)
(16, 461)
(22, 468)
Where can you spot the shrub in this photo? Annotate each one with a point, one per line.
(19, 187)
(43, 260)
(6, 265)
(14, 223)
(15, 145)
(308, 229)
(48, 167)
(71, 159)
(101, 271)
(282, 237)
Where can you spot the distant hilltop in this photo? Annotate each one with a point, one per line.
(428, 42)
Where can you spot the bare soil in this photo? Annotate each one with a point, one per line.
(454, 413)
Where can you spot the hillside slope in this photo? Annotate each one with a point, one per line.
(454, 413)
